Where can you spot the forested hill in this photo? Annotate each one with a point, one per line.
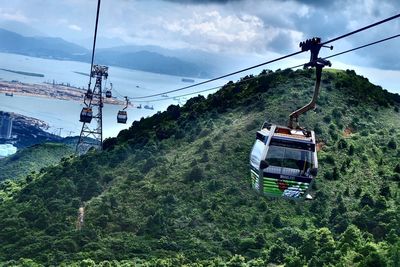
(174, 189)
(32, 159)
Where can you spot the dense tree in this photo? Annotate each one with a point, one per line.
(174, 189)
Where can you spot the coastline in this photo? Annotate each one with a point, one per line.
(50, 91)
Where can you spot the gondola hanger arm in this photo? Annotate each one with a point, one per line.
(314, 46)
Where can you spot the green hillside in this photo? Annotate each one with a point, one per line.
(174, 189)
(32, 159)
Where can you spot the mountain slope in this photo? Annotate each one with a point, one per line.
(208, 62)
(174, 188)
(150, 62)
(32, 159)
(20, 28)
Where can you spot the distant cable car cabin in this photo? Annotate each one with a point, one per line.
(86, 115)
(283, 160)
(108, 92)
(122, 115)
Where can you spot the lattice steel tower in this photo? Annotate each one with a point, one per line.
(92, 133)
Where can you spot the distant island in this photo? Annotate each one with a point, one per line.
(24, 73)
(81, 73)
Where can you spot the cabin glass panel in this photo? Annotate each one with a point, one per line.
(288, 172)
(289, 158)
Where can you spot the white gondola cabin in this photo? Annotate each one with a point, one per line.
(283, 162)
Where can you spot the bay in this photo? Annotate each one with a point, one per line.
(65, 114)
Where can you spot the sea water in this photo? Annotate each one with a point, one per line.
(65, 114)
(7, 150)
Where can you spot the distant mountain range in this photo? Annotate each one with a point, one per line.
(58, 48)
(150, 62)
(45, 47)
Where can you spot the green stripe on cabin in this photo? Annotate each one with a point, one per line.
(253, 178)
(288, 182)
(271, 192)
(300, 187)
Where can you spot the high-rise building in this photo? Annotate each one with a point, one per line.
(6, 122)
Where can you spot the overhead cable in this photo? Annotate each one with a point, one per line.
(261, 75)
(362, 29)
(221, 77)
(174, 97)
(355, 48)
(363, 46)
(94, 42)
(271, 61)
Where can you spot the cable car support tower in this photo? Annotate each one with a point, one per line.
(92, 136)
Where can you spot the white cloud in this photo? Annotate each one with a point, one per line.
(232, 28)
(62, 21)
(214, 31)
(248, 29)
(74, 27)
(13, 15)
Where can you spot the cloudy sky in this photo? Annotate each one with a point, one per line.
(252, 30)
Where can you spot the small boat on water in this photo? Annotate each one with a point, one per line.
(9, 94)
(186, 80)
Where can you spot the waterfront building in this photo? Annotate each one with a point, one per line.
(6, 122)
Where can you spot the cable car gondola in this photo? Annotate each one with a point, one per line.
(122, 115)
(283, 160)
(108, 92)
(86, 115)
